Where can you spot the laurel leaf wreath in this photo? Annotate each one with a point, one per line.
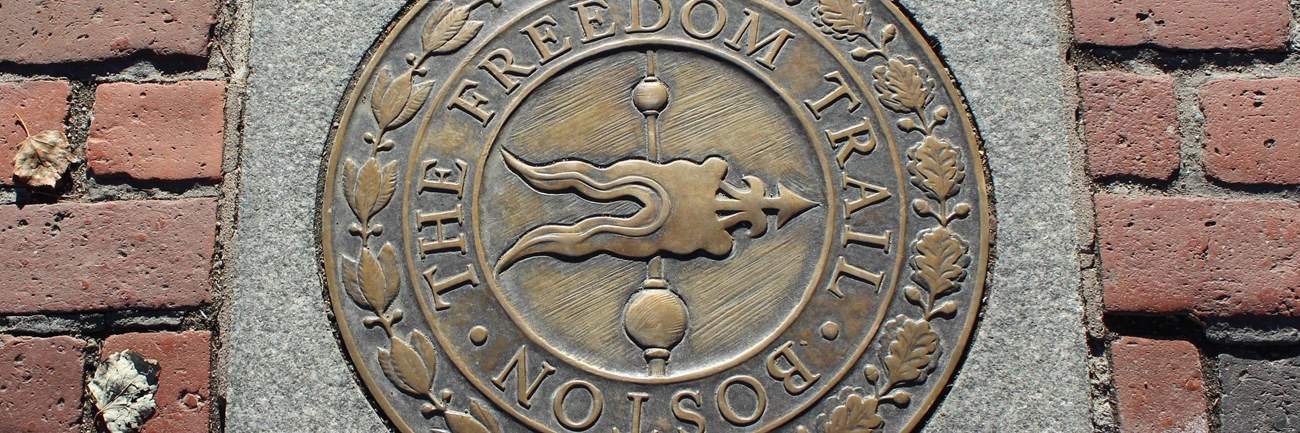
(940, 257)
(372, 279)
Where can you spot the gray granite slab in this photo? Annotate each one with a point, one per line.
(285, 369)
(1026, 371)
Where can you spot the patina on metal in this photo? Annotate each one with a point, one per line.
(654, 216)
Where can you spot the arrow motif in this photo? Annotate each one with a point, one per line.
(750, 204)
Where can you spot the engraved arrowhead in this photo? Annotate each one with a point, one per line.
(751, 204)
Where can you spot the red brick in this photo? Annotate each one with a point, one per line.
(1184, 24)
(1250, 130)
(158, 131)
(183, 361)
(41, 384)
(44, 32)
(1130, 125)
(43, 105)
(70, 257)
(1159, 386)
(1212, 258)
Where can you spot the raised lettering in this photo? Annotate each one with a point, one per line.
(729, 412)
(843, 269)
(846, 141)
(788, 375)
(506, 70)
(440, 181)
(636, 23)
(591, 14)
(543, 37)
(523, 390)
(440, 243)
(687, 415)
(688, 23)
(842, 91)
(750, 27)
(877, 241)
(439, 287)
(868, 194)
(471, 106)
(593, 409)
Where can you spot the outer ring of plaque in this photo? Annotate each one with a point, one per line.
(373, 57)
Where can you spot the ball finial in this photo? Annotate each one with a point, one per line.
(650, 95)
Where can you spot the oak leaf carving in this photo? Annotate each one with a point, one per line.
(42, 159)
(936, 168)
(411, 367)
(842, 19)
(858, 414)
(911, 352)
(902, 87)
(940, 262)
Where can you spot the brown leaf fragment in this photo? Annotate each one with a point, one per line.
(42, 159)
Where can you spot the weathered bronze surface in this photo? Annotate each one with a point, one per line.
(654, 215)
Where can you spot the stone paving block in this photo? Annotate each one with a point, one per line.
(42, 105)
(41, 384)
(1209, 257)
(71, 257)
(1183, 24)
(158, 131)
(1250, 130)
(1130, 125)
(1159, 386)
(1261, 392)
(44, 32)
(183, 361)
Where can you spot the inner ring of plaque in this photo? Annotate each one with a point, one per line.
(615, 145)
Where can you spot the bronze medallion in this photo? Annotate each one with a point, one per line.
(654, 216)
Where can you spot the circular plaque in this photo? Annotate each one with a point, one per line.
(654, 216)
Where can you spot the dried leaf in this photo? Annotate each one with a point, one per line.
(43, 158)
(388, 264)
(940, 261)
(463, 37)
(438, 34)
(410, 368)
(909, 357)
(352, 283)
(482, 415)
(123, 389)
(382, 82)
(395, 98)
(901, 87)
(413, 105)
(936, 168)
(858, 414)
(842, 19)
